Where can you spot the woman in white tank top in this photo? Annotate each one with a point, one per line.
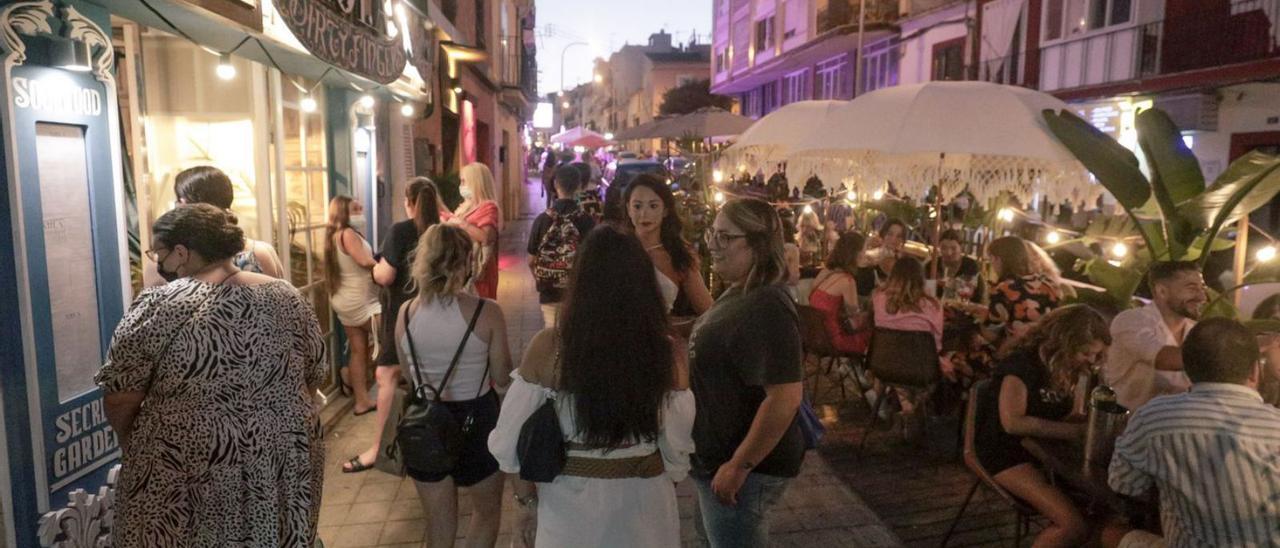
(437, 321)
(348, 262)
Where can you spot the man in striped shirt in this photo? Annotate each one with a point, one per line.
(1212, 453)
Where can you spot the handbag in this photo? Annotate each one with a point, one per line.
(428, 436)
(389, 458)
(541, 449)
(810, 426)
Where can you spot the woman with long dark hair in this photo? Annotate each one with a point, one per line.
(746, 373)
(422, 207)
(348, 262)
(1031, 395)
(652, 210)
(620, 389)
(835, 294)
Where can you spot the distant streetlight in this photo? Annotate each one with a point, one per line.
(1005, 214)
(562, 52)
(598, 78)
(1266, 254)
(565, 104)
(1053, 238)
(1119, 250)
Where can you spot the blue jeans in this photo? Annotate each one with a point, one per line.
(745, 525)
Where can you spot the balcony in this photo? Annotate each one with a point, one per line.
(1226, 33)
(838, 13)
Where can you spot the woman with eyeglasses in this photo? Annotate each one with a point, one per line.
(745, 363)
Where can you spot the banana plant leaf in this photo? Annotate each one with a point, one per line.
(1120, 282)
(1113, 165)
(1219, 307)
(1248, 183)
(1264, 273)
(1175, 175)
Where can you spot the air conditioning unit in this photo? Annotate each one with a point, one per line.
(1191, 112)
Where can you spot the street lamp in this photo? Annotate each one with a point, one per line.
(562, 52)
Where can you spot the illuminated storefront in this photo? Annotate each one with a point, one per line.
(105, 102)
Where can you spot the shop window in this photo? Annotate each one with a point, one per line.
(306, 196)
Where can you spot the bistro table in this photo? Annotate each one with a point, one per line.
(1065, 460)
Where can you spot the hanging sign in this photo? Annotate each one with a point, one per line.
(351, 34)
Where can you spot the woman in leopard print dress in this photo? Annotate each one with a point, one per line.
(209, 383)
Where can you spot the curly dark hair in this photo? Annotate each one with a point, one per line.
(202, 228)
(672, 230)
(615, 357)
(1064, 330)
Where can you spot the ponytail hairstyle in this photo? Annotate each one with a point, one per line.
(205, 185)
(339, 220)
(441, 262)
(763, 230)
(423, 195)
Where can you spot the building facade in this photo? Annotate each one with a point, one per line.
(104, 102)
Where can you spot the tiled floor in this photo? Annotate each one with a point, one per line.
(376, 509)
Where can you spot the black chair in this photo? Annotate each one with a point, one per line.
(1025, 513)
(817, 343)
(901, 359)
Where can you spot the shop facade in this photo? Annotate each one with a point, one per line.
(104, 103)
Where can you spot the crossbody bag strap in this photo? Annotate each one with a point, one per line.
(453, 365)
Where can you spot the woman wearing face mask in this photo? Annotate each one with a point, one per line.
(209, 387)
(478, 214)
(348, 262)
(745, 365)
(209, 185)
(651, 208)
(422, 206)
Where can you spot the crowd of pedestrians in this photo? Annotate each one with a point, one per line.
(640, 378)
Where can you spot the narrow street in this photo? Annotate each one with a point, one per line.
(377, 509)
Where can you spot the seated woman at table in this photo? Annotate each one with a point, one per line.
(882, 252)
(1032, 395)
(835, 294)
(903, 304)
(1021, 296)
(1043, 264)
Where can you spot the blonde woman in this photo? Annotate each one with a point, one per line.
(479, 216)
(430, 330)
(348, 264)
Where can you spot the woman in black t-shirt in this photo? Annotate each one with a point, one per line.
(1032, 394)
(746, 377)
(422, 206)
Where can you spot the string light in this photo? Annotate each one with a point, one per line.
(1053, 237)
(1119, 250)
(852, 196)
(877, 195)
(717, 176)
(225, 70)
(1266, 254)
(808, 209)
(366, 101)
(308, 104)
(719, 197)
(1005, 214)
(406, 110)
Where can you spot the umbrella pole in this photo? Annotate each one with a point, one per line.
(937, 224)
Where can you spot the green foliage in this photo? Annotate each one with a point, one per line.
(691, 97)
(1187, 217)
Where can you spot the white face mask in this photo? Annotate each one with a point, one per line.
(358, 222)
(465, 191)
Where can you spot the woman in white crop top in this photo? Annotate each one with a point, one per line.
(437, 321)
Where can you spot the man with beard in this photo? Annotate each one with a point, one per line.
(1145, 359)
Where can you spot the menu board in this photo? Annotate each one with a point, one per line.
(68, 238)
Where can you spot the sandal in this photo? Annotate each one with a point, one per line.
(355, 466)
(365, 412)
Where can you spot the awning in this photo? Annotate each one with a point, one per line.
(219, 34)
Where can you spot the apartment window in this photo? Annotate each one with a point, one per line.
(1063, 18)
(879, 67)
(720, 61)
(948, 60)
(754, 103)
(794, 87)
(829, 78)
(770, 100)
(684, 79)
(764, 34)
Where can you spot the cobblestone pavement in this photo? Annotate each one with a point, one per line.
(377, 509)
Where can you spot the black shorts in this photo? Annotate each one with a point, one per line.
(476, 462)
(388, 355)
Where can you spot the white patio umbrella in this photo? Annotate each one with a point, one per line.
(985, 137)
(580, 136)
(770, 139)
(700, 124)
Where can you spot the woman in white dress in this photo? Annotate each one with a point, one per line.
(348, 263)
(620, 387)
(652, 210)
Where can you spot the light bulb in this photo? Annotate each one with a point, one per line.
(1119, 250)
(1005, 214)
(668, 181)
(877, 195)
(717, 176)
(1266, 254)
(406, 110)
(308, 104)
(608, 136)
(808, 209)
(366, 101)
(852, 196)
(719, 197)
(565, 104)
(1053, 237)
(599, 78)
(457, 89)
(225, 70)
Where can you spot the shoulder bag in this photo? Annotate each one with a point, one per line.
(540, 449)
(428, 436)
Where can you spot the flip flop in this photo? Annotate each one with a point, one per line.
(365, 412)
(356, 466)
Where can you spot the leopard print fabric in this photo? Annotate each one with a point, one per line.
(227, 447)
